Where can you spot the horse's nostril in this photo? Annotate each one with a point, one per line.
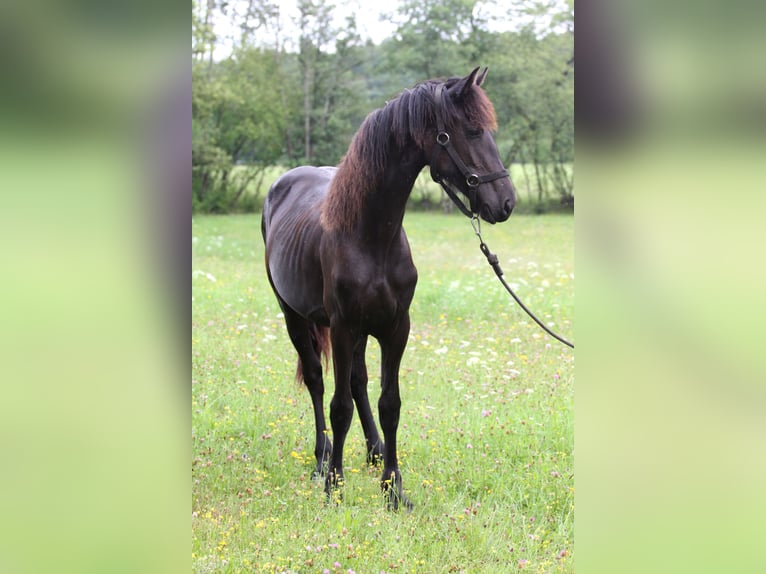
(508, 207)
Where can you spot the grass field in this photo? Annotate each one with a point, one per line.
(486, 431)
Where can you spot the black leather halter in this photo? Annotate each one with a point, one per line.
(472, 180)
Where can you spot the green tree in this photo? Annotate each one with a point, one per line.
(435, 37)
(333, 93)
(533, 90)
(202, 30)
(316, 32)
(291, 95)
(340, 97)
(238, 128)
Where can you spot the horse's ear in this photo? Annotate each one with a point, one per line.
(482, 77)
(464, 86)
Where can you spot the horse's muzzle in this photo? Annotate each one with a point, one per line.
(507, 208)
(496, 216)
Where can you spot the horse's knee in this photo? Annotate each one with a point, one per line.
(341, 411)
(312, 377)
(389, 406)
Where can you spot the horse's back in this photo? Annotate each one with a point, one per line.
(292, 234)
(300, 189)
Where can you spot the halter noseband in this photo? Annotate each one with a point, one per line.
(471, 179)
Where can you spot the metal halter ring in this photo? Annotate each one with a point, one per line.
(442, 138)
(472, 180)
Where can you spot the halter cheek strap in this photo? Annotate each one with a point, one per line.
(472, 180)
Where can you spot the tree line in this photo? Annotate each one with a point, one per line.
(288, 95)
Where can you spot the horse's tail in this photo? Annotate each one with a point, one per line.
(320, 340)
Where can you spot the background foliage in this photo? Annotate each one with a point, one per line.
(292, 90)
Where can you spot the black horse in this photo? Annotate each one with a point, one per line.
(339, 261)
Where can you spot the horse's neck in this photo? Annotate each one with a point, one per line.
(384, 209)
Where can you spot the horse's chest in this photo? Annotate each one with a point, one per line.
(375, 297)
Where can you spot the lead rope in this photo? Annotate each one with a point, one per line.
(493, 261)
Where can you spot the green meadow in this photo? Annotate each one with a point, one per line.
(486, 430)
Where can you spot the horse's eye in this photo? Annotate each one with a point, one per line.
(474, 132)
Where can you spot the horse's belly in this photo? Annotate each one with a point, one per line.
(303, 297)
(297, 279)
(295, 269)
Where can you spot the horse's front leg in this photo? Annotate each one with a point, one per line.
(341, 405)
(389, 405)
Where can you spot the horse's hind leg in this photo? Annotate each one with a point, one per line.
(302, 335)
(359, 392)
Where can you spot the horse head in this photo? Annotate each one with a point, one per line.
(463, 154)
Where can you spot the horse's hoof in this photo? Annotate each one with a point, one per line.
(333, 488)
(374, 458)
(321, 470)
(334, 497)
(375, 454)
(394, 495)
(397, 501)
